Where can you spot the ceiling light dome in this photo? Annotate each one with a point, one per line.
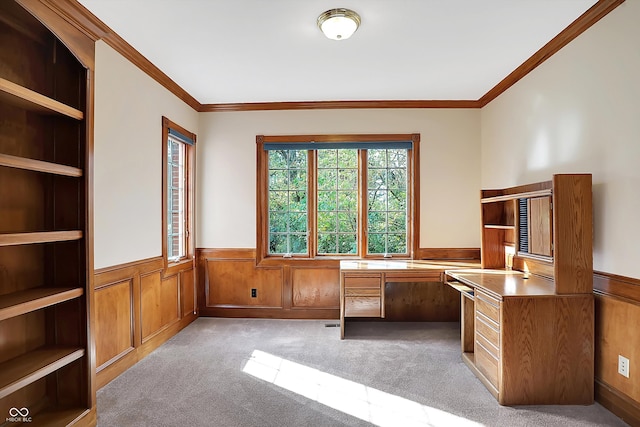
(339, 24)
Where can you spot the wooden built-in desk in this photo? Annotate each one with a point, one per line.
(526, 343)
(362, 285)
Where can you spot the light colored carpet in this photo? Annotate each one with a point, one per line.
(264, 372)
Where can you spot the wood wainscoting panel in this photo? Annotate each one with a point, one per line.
(158, 303)
(616, 335)
(230, 282)
(187, 293)
(157, 308)
(315, 287)
(114, 322)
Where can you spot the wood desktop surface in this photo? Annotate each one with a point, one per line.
(505, 283)
(405, 265)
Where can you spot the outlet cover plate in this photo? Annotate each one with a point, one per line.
(623, 366)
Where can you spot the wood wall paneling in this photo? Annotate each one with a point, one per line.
(617, 301)
(157, 307)
(230, 283)
(187, 293)
(158, 303)
(114, 321)
(315, 287)
(615, 336)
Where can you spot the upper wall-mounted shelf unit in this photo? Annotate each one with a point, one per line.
(547, 225)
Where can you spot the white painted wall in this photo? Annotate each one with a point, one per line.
(129, 106)
(579, 112)
(449, 172)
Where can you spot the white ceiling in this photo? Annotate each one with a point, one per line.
(237, 51)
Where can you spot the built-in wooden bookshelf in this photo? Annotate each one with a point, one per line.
(46, 351)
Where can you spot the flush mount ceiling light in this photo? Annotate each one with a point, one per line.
(339, 24)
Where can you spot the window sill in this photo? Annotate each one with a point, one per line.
(172, 267)
(322, 260)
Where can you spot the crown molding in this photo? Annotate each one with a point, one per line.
(88, 23)
(80, 17)
(328, 105)
(577, 27)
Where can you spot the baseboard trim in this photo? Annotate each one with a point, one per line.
(621, 405)
(271, 313)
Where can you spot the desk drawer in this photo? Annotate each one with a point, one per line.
(488, 346)
(488, 306)
(362, 306)
(487, 364)
(488, 330)
(362, 292)
(362, 281)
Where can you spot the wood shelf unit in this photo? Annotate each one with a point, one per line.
(38, 166)
(14, 94)
(61, 417)
(528, 332)
(22, 302)
(24, 370)
(13, 239)
(46, 351)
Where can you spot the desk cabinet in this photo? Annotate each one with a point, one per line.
(529, 345)
(363, 296)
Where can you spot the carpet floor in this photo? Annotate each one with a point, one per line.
(265, 372)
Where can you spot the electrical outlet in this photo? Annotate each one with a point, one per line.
(623, 366)
(254, 293)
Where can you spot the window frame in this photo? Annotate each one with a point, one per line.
(189, 196)
(262, 194)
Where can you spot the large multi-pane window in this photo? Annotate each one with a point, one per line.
(178, 159)
(348, 198)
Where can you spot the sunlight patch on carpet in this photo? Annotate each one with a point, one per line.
(367, 403)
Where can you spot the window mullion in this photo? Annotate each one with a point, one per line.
(312, 203)
(362, 203)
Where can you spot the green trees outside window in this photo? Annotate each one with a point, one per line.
(387, 201)
(337, 201)
(315, 198)
(288, 218)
